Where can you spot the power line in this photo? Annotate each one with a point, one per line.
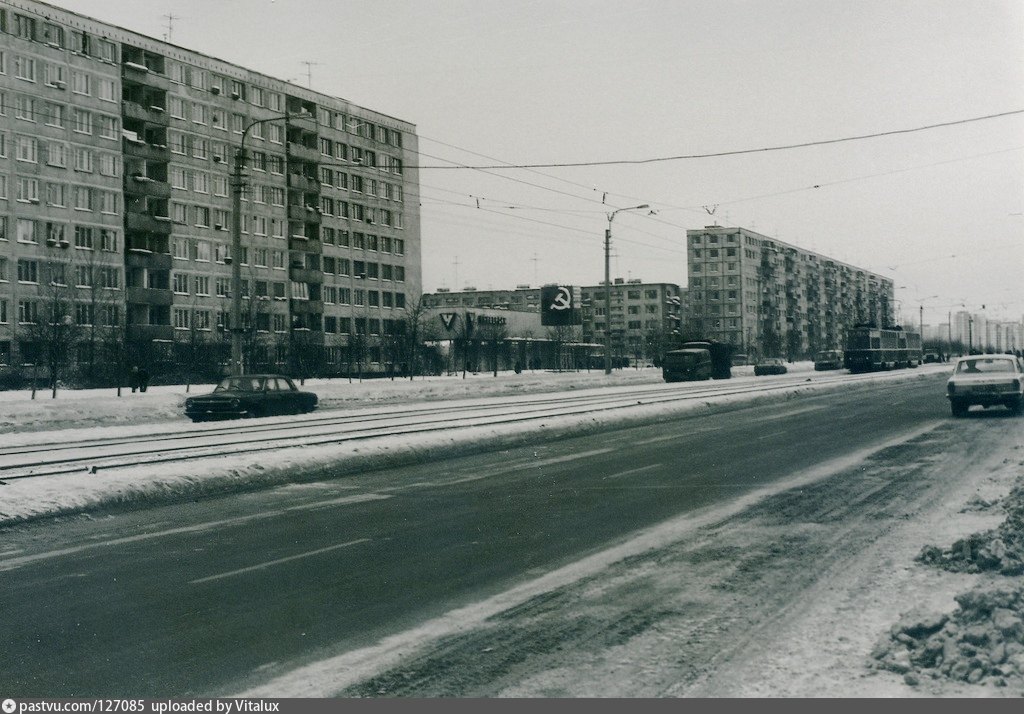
(736, 152)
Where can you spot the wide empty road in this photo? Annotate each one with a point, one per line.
(215, 596)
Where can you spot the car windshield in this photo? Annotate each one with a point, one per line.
(984, 366)
(826, 355)
(240, 384)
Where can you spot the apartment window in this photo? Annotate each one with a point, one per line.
(28, 271)
(84, 238)
(83, 159)
(275, 133)
(28, 190)
(181, 321)
(201, 184)
(202, 284)
(203, 217)
(109, 127)
(105, 90)
(220, 186)
(26, 230)
(180, 283)
(203, 251)
(25, 108)
(81, 121)
(83, 198)
(28, 312)
(25, 68)
(201, 148)
(108, 240)
(220, 119)
(199, 113)
(83, 276)
(81, 83)
(56, 194)
(27, 149)
(177, 107)
(55, 233)
(222, 287)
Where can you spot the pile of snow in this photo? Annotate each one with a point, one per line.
(983, 640)
(999, 550)
(980, 642)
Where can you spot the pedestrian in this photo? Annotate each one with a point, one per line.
(143, 380)
(133, 378)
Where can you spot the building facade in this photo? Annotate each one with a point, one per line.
(769, 298)
(116, 177)
(645, 317)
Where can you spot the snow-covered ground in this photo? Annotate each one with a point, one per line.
(80, 415)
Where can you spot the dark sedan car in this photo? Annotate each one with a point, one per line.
(250, 395)
(772, 365)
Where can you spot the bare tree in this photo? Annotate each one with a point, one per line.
(53, 332)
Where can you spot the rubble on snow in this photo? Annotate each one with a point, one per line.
(999, 550)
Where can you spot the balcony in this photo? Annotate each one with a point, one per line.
(146, 223)
(302, 183)
(149, 296)
(303, 153)
(144, 259)
(139, 74)
(141, 185)
(305, 275)
(306, 307)
(150, 115)
(306, 214)
(305, 245)
(150, 152)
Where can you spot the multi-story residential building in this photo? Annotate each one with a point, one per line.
(116, 179)
(644, 316)
(771, 298)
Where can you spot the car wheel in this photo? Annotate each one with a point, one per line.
(959, 409)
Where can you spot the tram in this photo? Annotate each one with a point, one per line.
(872, 349)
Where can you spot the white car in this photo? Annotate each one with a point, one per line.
(986, 380)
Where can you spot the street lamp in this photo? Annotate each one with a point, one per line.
(237, 184)
(608, 286)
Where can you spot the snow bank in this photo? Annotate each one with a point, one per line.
(26, 499)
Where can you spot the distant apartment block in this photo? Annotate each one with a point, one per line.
(115, 198)
(770, 298)
(644, 316)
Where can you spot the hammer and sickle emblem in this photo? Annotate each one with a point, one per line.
(564, 299)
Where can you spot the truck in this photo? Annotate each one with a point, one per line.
(698, 359)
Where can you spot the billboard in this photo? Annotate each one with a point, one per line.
(560, 305)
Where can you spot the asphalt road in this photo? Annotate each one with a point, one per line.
(213, 596)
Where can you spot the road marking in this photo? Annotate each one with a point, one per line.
(676, 437)
(269, 563)
(774, 433)
(633, 471)
(195, 528)
(794, 412)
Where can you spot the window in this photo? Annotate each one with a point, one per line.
(28, 190)
(28, 149)
(25, 68)
(26, 229)
(28, 312)
(177, 107)
(83, 159)
(180, 283)
(81, 83)
(28, 271)
(83, 276)
(84, 237)
(56, 194)
(202, 284)
(108, 240)
(199, 113)
(109, 127)
(83, 198)
(105, 90)
(81, 121)
(181, 318)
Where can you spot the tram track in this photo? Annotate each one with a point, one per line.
(249, 437)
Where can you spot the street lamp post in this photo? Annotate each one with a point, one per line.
(608, 286)
(237, 185)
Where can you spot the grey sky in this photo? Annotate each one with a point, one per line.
(549, 82)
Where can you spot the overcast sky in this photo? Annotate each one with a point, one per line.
(546, 81)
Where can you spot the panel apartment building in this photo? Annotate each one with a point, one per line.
(644, 316)
(116, 155)
(769, 298)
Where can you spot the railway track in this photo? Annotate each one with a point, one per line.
(326, 428)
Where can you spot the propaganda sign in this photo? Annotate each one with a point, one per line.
(559, 305)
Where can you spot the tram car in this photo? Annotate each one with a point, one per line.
(872, 349)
